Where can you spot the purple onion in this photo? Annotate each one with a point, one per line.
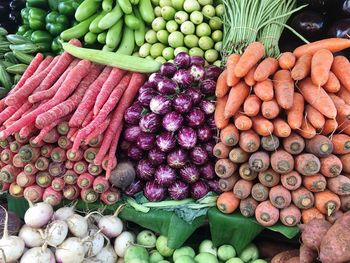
(150, 122)
(197, 72)
(132, 133)
(145, 170)
(179, 190)
(177, 158)
(160, 104)
(172, 121)
(155, 78)
(207, 106)
(154, 192)
(195, 117)
(167, 87)
(145, 97)
(189, 173)
(212, 72)
(214, 186)
(209, 147)
(165, 175)
(168, 69)
(135, 153)
(182, 103)
(208, 87)
(204, 133)
(146, 141)
(132, 114)
(166, 141)
(156, 156)
(187, 137)
(194, 94)
(183, 78)
(135, 187)
(182, 60)
(199, 156)
(199, 189)
(207, 171)
(197, 60)
(147, 86)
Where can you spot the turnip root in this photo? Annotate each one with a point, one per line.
(94, 243)
(78, 225)
(64, 212)
(31, 236)
(110, 225)
(38, 214)
(56, 232)
(122, 242)
(293, 260)
(38, 255)
(284, 256)
(107, 254)
(313, 232)
(307, 255)
(70, 251)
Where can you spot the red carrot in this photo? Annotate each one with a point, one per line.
(29, 169)
(74, 156)
(69, 164)
(42, 164)
(90, 154)
(98, 131)
(88, 195)
(100, 184)
(85, 180)
(52, 197)
(105, 162)
(20, 111)
(71, 192)
(111, 196)
(43, 179)
(34, 193)
(7, 113)
(94, 169)
(112, 151)
(64, 142)
(46, 150)
(27, 130)
(58, 184)
(72, 131)
(6, 156)
(44, 131)
(25, 180)
(80, 167)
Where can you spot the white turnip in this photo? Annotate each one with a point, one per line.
(78, 225)
(122, 242)
(111, 225)
(31, 236)
(94, 243)
(107, 254)
(38, 214)
(64, 212)
(56, 232)
(120, 260)
(70, 251)
(38, 255)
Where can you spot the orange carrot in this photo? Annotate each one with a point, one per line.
(227, 184)
(307, 164)
(236, 98)
(315, 183)
(284, 88)
(247, 207)
(266, 214)
(307, 131)
(266, 68)
(339, 185)
(222, 88)
(219, 117)
(280, 197)
(259, 161)
(260, 192)
(242, 188)
(237, 155)
(316, 118)
(302, 67)
(331, 166)
(229, 135)
(243, 123)
(270, 143)
(249, 141)
(282, 162)
(264, 90)
(332, 44)
(309, 214)
(303, 198)
(290, 216)
(281, 128)
(320, 66)
(335, 216)
(249, 78)
(344, 94)
(319, 145)
(327, 202)
(329, 127)
(221, 150)
(269, 178)
(287, 60)
(345, 202)
(251, 106)
(294, 144)
(262, 126)
(332, 85)
(345, 159)
(341, 143)
(270, 109)
(224, 168)
(343, 109)
(251, 56)
(291, 181)
(247, 173)
(227, 203)
(341, 69)
(231, 63)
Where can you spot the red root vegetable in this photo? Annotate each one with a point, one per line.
(100, 184)
(284, 256)
(43, 179)
(17, 161)
(339, 185)
(291, 181)
(25, 180)
(42, 164)
(58, 155)
(110, 197)
(247, 207)
(75, 156)
(290, 216)
(80, 167)
(71, 192)
(52, 197)
(33, 193)
(89, 195)
(46, 150)
(260, 192)
(303, 198)
(269, 178)
(313, 233)
(307, 255)
(280, 197)
(94, 169)
(85, 180)
(266, 214)
(58, 184)
(282, 162)
(70, 177)
(15, 190)
(307, 164)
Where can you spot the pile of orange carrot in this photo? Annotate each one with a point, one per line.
(284, 149)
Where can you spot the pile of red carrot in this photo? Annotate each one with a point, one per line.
(73, 111)
(284, 149)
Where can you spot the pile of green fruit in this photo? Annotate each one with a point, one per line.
(192, 26)
(150, 249)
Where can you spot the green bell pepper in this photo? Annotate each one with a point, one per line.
(68, 7)
(40, 36)
(36, 18)
(22, 30)
(28, 34)
(37, 3)
(56, 45)
(56, 23)
(53, 5)
(25, 15)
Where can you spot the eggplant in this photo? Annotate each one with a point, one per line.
(309, 24)
(346, 7)
(340, 28)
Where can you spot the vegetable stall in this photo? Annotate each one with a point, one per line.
(184, 131)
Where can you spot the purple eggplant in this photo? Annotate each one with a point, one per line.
(145, 97)
(209, 147)
(195, 117)
(182, 103)
(197, 72)
(150, 122)
(214, 186)
(132, 114)
(183, 78)
(212, 72)
(194, 94)
(211, 122)
(147, 86)
(182, 60)
(135, 153)
(207, 171)
(179, 190)
(146, 141)
(199, 189)
(168, 87)
(197, 60)
(155, 78)
(168, 69)
(340, 28)
(156, 156)
(132, 133)
(165, 175)
(189, 173)
(309, 23)
(204, 133)
(160, 104)
(199, 156)
(154, 192)
(166, 141)
(135, 187)
(172, 121)
(208, 87)
(207, 106)
(145, 170)
(187, 137)
(177, 158)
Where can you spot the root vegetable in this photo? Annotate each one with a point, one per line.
(259, 161)
(64, 213)
(247, 207)
(334, 217)
(94, 244)
(313, 233)
(56, 232)
(269, 178)
(311, 213)
(78, 225)
(331, 166)
(320, 146)
(70, 251)
(52, 196)
(237, 155)
(123, 175)
(307, 255)
(284, 256)
(221, 150)
(122, 242)
(315, 183)
(327, 202)
(294, 144)
(266, 214)
(111, 225)
(224, 168)
(229, 135)
(291, 181)
(227, 184)
(339, 185)
(270, 143)
(249, 141)
(345, 202)
(38, 214)
(227, 202)
(38, 255)
(106, 255)
(307, 164)
(247, 173)
(242, 189)
(33, 193)
(260, 192)
(303, 198)
(290, 216)
(282, 162)
(31, 236)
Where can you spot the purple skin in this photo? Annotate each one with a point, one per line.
(177, 158)
(182, 103)
(172, 121)
(132, 133)
(160, 104)
(211, 122)
(183, 78)
(187, 137)
(189, 173)
(167, 87)
(155, 78)
(145, 170)
(150, 122)
(207, 171)
(207, 106)
(199, 156)
(199, 189)
(146, 141)
(182, 60)
(195, 117)
(204, 133)
(132, 114)
(154, 192)
(168, 69)
(135, 153)
(212, 72)
(196, 60)
(197, 72)
(208, 87)
(214, 186)
(179, 190)
(145, 97)
(209, 147)
(166, 141)
(156, 156)
(165, 175)
(194, 94)
(135, 187)
(147, 86)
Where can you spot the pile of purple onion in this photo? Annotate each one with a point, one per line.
(171, 132)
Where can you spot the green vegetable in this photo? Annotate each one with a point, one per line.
(145, 49)
(36, 18)
(171, 26)
(114, 35)
(136, 252)
(56, 23)
(37, 3)
(67, 7)
(40, 36)
(160, 59)
(90, 38)
(196, 17)
(10, 57)
(134, 2)
(146, 238)
(151, 36)
(132, 22)
(217, 35)
(191, 5)
(219, 10)
(208, 247)
(168, 53)
(225, 252)
(158, 24)
(205, 2)
(259, 261)
(180, 49)
(28, 34)
(206, 43)
(162, 36)
(16, 39)
(215, 23)
(127, 43)
(79, 30)
(218, 63)
(168, 12)
(185, 259)
(180, 17)
(177, 4)
(211, 55)
(162, 246)
(208, 11)
(25, 48)
(187, 28)
(146, 11)
(22, 29)
(203, 30)
(176, 39)
(107, 5)
(94, 28)
(56, 45)
(22, 57)
(101, 38)
(111, 18)
(155, 257)
(191, 41)
(218, 46)
(25, 15)
(3, 31)
(158, 11)
(140, 32)
(16, 78)
(5, 78)
(17, 69)
(53, 5)
(107, 48)
(86, 9)
(250, 253)
(126, 6)
(205, 257)
(235, 260)
(156, 49)
(183, 251)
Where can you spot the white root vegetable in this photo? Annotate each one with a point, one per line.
(64, 212)
(38, 255)
(11, 247)
(56, 232)
(38, 214)
(78, 225)
(111, 225)
(94, 243)
(122, 242)
(31, 236)
(120, 260)
(70, 251)
(107, 254)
